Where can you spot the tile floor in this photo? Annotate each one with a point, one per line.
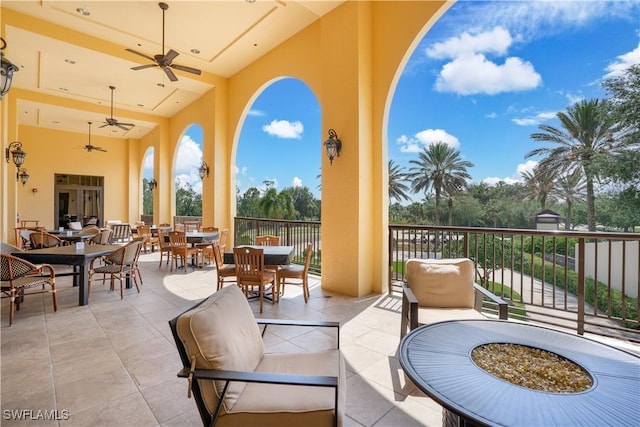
(114, 362)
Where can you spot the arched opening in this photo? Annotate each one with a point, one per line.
(149, 186)
(186, 177)
(277, 158)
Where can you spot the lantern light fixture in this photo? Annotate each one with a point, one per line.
(22, 176)
(204, 170)
(6, 71)
(153, 184)
(333, 146)
(17, 155)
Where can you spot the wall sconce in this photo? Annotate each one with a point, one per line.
(6, 72)
(34, 191)
(22, 176)
(17, 154)
(153, 184)
(203, 170)
(333, 145)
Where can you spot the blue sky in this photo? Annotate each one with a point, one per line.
(481, 80)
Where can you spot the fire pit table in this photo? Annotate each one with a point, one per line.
(437, 358)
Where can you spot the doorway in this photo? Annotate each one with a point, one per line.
(78, 198)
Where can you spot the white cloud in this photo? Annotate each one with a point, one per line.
(256, 113)
(425, 138)
(284, 129)
(623, 62)
(528, 166)
(296, 182)
(475, 74)
(188, 160)
(535, 120)
(496, 41)
(263, 186)
(491, 116)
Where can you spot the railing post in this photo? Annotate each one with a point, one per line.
(581, 256)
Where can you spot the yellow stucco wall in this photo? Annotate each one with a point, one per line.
(351, 59)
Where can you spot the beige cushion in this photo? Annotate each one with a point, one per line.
(430, 315)
(284, 405)
(222, 334)
(442, 282)
(75, 225)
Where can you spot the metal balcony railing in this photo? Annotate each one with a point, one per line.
(585, 282)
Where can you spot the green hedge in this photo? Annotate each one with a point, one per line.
(598, 299)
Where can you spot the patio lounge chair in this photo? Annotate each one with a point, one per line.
(443, 289)
(235, 383)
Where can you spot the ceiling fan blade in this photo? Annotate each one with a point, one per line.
(170, 74)
(104, 125)
(141, 54)
(100, 149)
(170, 56)
(187, 69)
(125, 126)
(142, 67)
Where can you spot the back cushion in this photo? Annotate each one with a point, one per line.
(446, 283)
(222, 333)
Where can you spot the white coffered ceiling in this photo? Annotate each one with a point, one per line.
(81, 64)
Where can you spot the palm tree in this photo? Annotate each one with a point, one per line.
(397, 188)
(439, 168)
(538, 185)
(571, 188)
(587, 132)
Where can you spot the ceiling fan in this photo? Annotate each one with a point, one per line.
(110, 121)
(90, 147)
(163, 60)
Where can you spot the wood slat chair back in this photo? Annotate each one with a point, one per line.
(268, 240)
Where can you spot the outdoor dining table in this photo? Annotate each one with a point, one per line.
(437, 358)
(75, 237)
(198, 237)
(273, 255)
(70, 255)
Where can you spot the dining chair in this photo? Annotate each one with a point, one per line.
(164, 247)
(17, 276)
(224, 271)
(206, 248)
(42, 239)
(251, 273)
(89, 230)
(149, 239)
(191, 225)
(296, 272)
(180, 249)
(267, 240)
(222, 240)
(119, 264)
(103, 237)
(121, 233)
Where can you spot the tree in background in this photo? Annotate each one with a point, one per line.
(587, 132)
(570, 188)
(147, 198)
(276, 205)
(397, 187)
(439, 169)
(188, 202)
(305, 205)
(538, 185)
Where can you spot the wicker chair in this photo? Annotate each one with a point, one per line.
(43, 239)
(17, 276)
(120, 265)
(103, 237)
(296, 272)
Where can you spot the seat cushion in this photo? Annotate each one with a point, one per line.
(222, 333)
(442, 282)
(428, 315)
(287, 405)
